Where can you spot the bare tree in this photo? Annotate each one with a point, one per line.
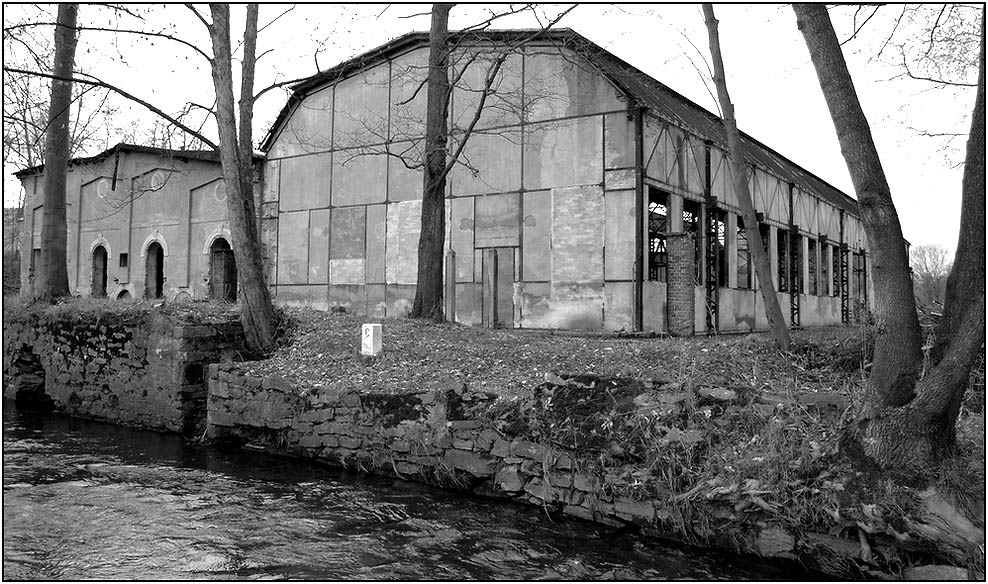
(763, 270)
(236, 154)
(54, 276)
(931, 266)
(907, 421)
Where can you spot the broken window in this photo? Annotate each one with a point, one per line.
(860, 278)
(824, 289)
(835, 268)
(811, 264)
(782, 245)
(796, 268)
(691, 225)
(658, 226)
(720, 237)
(744, 257)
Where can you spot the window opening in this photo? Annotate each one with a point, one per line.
(124, 258)
(811, 265)
(743, 256)
(658, 226)
(720, 237)
(796, 269)
(782, 245)
(835, 269)
(691, 225)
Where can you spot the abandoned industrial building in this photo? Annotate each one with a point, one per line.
(584, 193)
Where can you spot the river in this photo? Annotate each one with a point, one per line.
(86, 500)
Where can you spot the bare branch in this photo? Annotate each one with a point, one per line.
(9, 29)
(99, 83)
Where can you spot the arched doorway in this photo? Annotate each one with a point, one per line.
(123, 295)
(222, 271)
(98, 289)
(154, 271)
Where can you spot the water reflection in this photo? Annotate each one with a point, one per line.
(85, 500)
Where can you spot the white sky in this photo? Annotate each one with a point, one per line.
(773, 85)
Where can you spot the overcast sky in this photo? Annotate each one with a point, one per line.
(773, 85)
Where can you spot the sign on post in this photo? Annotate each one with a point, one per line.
(371, 342)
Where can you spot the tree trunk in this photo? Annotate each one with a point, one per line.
(906, 425)
(897, 354)
(256, 311)
(54, 273)
(763, 271)
(429, 281)
(966, 281)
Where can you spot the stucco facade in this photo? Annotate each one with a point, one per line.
(141, 222)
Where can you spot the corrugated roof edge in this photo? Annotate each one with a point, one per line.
(591, 51)
(211, 155)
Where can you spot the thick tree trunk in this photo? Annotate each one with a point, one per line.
(429, 281)
(966, 281)
(897, 341)
(763, 270)
(256, 311)
(54, 274)
(905, 425)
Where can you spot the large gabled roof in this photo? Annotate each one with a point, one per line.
(639, 87)
(209, 155)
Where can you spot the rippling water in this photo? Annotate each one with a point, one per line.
(84, 500)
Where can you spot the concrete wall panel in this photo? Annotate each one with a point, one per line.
(619, 235)
(654, 306)
(577, 235)
(490, 163)
(408, 72)
(377, 226)
(308, 129)
(576, 306)
(305, 182)
(361, 110)
(564, 153)
(536, 232)
(352, 297)
(469, 303)
(376, 305)
(318, 246)
(504, 103)
(461, 237)
(559, 85)
(619, 141)
(404, 225)
(404, 184)
(497, 221)
(269, 243)
(618, 306)
(399, 300)
(348, 234)
(293, 247)
(359, 179)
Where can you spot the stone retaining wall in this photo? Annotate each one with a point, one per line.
(443, 438)
(142, 369)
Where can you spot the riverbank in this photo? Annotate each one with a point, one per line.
(719, 442)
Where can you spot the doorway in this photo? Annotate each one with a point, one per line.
(98, 289)
(154, 271)
(222, 271)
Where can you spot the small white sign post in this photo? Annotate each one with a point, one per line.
(371, 342)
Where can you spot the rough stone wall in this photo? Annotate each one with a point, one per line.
(145, 370)
(443, 437)
(681, 286)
